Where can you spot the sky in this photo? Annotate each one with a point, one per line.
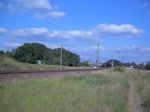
(120, 27)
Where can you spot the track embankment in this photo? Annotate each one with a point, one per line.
(12, 76)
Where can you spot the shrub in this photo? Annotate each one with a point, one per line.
(119, 69)
(1, 59)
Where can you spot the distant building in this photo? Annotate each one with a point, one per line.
(129, 68)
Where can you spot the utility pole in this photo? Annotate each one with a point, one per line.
(112, 62)
(61, 58)
(122, 61)
(90, 60)
(105, 62)
(98, 56)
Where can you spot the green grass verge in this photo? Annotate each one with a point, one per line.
(11, 64)
(119, 69)
(84, 93)
(8, 63)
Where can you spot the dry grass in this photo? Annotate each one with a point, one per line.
(11, 64)
(100, 92)
(142, 79)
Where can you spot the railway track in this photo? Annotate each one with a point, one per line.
(46, 71)
(12, 76)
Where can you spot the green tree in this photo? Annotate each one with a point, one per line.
(134, 65)
(147, 66)
(85, 63)
(8, 53)
(114, 61)
(1, 52)
(141, 66)
(56, 61)
(1, 56)
(30, 52)
(68, 58)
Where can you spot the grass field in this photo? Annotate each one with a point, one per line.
(85, 93)
(10, 64)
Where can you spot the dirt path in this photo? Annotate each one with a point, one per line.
(134, 101)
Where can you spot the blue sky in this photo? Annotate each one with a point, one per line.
(121, 27)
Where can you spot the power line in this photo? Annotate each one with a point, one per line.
(98, 56)
(122, 60)
(61, 55)
(61, 58)
(112, 62)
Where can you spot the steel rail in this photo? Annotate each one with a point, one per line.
(46, 71)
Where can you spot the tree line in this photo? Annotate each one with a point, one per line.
(31, 52)
(133, 64)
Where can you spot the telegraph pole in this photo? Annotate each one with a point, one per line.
(90, 62)
(98, 56)
(105, 62)
(112, 62)
(122, 61)
(61, 58)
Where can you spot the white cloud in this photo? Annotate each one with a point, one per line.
(40, 8)
(148, 49)
(40, 16)
(56, 14)
(103, 29)
(37, 31)
(14, 38)
(1, 5)
(2, 30)
(11, 8)
(30, 31)
(125, 30)
(53, 14)
(38, 4)
(133, 47)
(147, 6)
(11, 44)
(58, 34)
(94, 48)
(131, 51)
(52, 46)
(34, 4)
(76, 33)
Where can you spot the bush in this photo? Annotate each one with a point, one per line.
(1, 59)
(119, 69)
